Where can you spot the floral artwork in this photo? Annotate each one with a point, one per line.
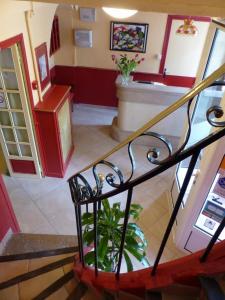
(128, 37)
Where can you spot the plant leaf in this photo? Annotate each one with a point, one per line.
(89, 258)
(128, 262)
(102, 248)
(135, 252)
(106, 207)
(134, 229)
(87, 219)
(134, 243)
(135, 210)
(88, 237)
(145, 262)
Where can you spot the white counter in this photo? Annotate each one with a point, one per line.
(140, 102)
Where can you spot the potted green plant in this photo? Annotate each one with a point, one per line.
(126, 65)
(109, 231)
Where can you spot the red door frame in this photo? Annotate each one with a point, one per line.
(8, 218)
(170, 19)
(18, 39)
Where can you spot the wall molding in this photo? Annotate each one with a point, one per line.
(97, 85)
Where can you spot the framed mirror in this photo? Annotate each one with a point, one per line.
(43, 67)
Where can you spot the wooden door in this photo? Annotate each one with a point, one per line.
(16, 131)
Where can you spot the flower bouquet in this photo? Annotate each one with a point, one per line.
(126, 65)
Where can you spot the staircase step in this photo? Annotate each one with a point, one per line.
(36, 272)
(78, 292)
(121, 295)
(212, 288)
(221, 282)
(151, 295)
(106, 295)
(54, 286)
(37, 275)
(10, 293)
(25, 243)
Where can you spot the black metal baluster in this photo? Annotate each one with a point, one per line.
(126, 217)
(176, 209)
(73, 193)
(78, 230)
(80, 233)
(213, 241)
(99, 204)
(95, 237)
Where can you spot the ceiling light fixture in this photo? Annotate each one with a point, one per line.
(188, 28)
(119, 13)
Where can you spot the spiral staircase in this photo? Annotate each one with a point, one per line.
(58, 270)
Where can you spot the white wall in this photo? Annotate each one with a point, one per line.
(13, 22)
(184, 51)
(100, 55)
(66, 53)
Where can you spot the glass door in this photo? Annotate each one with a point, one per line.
(204, 204)
(16, 135)
(211, 96)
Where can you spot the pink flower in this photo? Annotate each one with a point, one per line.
(113, 57)
(143, 59)
(136, 55)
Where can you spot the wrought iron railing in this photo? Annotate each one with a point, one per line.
(90, 196)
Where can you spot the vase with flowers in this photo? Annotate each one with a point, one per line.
(126, 65)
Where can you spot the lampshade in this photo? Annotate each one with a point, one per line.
(187, 28)
(119, 13)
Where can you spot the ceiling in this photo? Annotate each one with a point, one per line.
(213, 8)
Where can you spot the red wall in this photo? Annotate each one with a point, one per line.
(97, 86)
(7, 216)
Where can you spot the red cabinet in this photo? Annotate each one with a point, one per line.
(53, 116)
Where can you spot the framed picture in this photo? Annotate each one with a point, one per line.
(128, 36)
(43, 68)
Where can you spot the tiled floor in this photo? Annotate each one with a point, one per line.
(45, 206)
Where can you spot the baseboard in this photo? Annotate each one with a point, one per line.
(95, 106)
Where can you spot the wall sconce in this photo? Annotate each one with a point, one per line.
(119, 13)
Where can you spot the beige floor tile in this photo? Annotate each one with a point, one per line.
(31, 288)
(58, 208)
(61, 294)
(68, 268)
(40, 262)
(38, 187)
(70, 286)
(29, 216)
(11, 293)
(11, 269)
